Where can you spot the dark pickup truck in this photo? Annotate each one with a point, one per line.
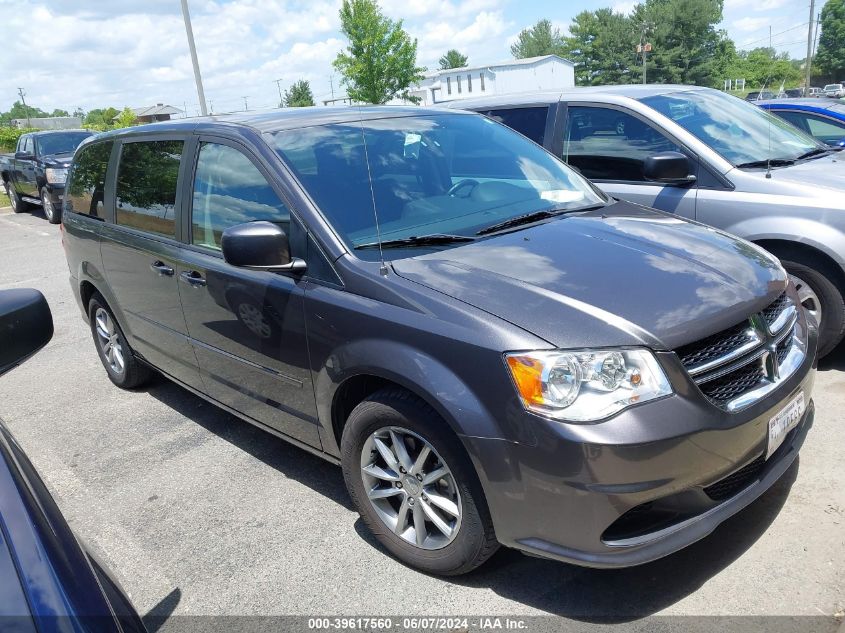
(36, 173)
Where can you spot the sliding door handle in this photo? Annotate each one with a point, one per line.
(192, 278)
(161, 268)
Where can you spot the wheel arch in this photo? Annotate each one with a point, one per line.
(785, 248)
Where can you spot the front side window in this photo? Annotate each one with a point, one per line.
(609, 144)
(744, 134)
(825, 130)
(228, 190)
(146, 186)
(448, 173)
(528, 121)
(86, 186)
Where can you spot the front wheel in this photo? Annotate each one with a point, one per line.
(823, 301)
(414, 487)
(53, 214)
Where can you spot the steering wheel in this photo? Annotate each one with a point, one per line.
(469, 182)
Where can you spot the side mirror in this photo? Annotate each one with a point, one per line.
(671, 168)
(259, 246)
(26, 325)
(24, 156)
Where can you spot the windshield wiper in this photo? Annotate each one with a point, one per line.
(774, 162)
(534, 216)
(419, 240)
(815, 152)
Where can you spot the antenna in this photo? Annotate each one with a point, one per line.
(383, 270)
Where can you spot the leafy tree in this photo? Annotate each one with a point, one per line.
(380, 62)
(684, 39)
(126, 118)
(59, 112)
(831, 56)
(100, 118)
(540, 39)
(764, 68)
(299, 95)
(452, 59)
(602, 45)
(79, 112)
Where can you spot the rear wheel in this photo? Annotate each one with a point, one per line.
(51, 212)
(822, 299)
(414, 487)
(123, 369)
(18, 205)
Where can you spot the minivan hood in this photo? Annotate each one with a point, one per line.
(619, 275)
(814, 178)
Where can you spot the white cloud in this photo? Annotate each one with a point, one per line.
(625, 6)
(748, 24)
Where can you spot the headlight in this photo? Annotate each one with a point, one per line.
(56, 175)
(583, 386)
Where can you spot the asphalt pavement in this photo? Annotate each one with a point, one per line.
(200, 513)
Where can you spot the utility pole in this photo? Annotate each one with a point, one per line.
(331, 85)
(808, 63)
(281, 98)
(644, 47)
(193, 49)
(770, 37)
(246, 105)
(25, 107)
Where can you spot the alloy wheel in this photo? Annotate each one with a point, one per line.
(47, 205)
(808, 298)
(411, 488)
(109, 341)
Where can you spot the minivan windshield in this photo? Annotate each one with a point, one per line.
(741, 132)
(60, 143)
(434, 180)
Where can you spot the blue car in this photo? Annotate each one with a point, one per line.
(823, 120)
(49, 582)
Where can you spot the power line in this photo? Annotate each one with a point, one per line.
(771, 35)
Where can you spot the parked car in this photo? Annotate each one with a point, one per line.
(35, 174)
(759, 95)
(791, 93)
(51, 581)
(823, 120)
(789, 199)
(456, 317)
(815, 92)
(836, 91)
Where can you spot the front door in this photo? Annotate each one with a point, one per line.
(26, 184)
(140, 252)
(609, 146)
(247, 327)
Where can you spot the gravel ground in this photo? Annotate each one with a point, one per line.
(200, 513)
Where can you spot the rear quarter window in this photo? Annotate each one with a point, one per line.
(530, 122)
(86, 186)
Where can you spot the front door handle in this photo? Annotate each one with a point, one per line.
(192, 278)
(161, 268)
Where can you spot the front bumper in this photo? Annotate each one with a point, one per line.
(566, 491)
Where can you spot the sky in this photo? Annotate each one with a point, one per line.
(97, 53)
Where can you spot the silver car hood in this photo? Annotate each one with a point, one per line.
(818, 178)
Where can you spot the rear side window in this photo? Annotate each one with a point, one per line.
(228, 190)
(86, 187)
(146, 186)
(530, 122)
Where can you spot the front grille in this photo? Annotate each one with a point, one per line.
(733, 483)
(715, 346)
(731, 363)
(732, 385)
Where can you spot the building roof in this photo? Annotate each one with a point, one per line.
(156, 110)
(525, 61)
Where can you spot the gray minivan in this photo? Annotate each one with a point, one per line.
(708, 156)
(493, 350)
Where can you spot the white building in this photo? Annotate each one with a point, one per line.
(548, 72)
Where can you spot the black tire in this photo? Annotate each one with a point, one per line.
(53, 214)
(133, 373)
(475, 540)
(18, 205)
(832, 326)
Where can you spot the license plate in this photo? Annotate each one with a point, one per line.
(784, 421)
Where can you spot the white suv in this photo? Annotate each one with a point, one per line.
(837, 91)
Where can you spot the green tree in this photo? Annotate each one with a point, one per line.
(59, 112)
(126, 118)
(299, 95)
(684, 39)
(540, 39)
(602, 45)
(764, 68)
(100, 118)
(380, 62)
(452, 59)
(830, 59)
